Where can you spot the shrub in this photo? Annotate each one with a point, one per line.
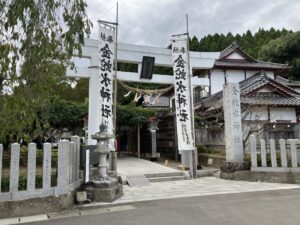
(23, 182)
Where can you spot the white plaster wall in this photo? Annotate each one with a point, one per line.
(235, 55)
(217, 81)
(255, 113)
(282, 114)
(217, 77)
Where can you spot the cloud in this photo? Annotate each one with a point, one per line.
(151, 22)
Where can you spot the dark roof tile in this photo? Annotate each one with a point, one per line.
(282, 95)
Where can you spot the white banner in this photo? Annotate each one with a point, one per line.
(106, 78)
(182, 95)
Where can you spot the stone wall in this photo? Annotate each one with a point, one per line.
(36, 206)
(271, 177)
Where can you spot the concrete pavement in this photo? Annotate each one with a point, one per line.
(134, 166)
(280, 207)
(166, 192)
(195, 187)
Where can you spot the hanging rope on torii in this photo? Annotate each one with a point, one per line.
(147, 94)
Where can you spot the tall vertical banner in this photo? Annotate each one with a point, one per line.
(106, 78)
(182, 94)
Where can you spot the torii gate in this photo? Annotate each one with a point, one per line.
(130, 53)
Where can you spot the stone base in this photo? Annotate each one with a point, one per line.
(271, 177)
(230, 167)
(105, 194)
(36, 206)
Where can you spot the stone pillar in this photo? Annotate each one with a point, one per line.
(293, 153)
(153, 144)
(31, 165)
(63, 163)
(253, 151)
(1, 153)
(14, 167)
(263, 153)
(76, 140)
(47, 166)
(283, 153)
(233, 125)
(273, 153)
(72, 163)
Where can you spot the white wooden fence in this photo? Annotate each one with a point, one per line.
(287, 153)
(67, 171)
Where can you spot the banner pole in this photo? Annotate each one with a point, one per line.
(113, 166)
(193, 161)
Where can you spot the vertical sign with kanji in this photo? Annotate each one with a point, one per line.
(233, 124)
(182, 94)
(106, 77)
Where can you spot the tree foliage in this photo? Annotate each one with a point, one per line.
(250, 43)
(129, 115)
(37, 40)
(66, 114)
(285, 49)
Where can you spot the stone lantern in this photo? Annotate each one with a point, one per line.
(103, 188)
(66, 134)
(102, 149)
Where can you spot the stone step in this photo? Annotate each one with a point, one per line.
(170, 174)
(207, 172)
(162, 179)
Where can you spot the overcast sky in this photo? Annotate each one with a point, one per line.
(152, 22)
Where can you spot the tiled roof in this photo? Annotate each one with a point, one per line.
(248, 62)
(230, 49)
(281, 96)
(271, 99)
(287, 82)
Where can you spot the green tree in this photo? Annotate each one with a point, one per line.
(285, 49)
(130, 115)
(37, 41)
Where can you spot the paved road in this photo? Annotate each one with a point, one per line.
(264, 208)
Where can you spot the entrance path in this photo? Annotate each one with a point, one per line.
(134, 166)
(207, 200)
(204, 186)
(279, 207)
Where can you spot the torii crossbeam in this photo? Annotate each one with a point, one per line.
(130, 53)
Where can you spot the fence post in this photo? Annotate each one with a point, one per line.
(63, 163)
(283, 153)
(72, 160)
(14, 167)
(273, 153)
(76, 140)
(1, 153)
(47, 166)
(263, 153)
(297, 153)
(253, 151)
(293, 152)
(31, 167)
